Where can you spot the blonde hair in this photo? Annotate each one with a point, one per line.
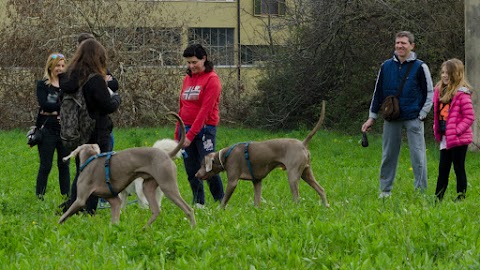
(52, 62)
(456, 79)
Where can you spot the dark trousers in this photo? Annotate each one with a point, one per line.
(455, 155)
(46, 149)
(201, 145)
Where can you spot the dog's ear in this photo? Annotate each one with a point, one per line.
(88, 150)
(96, 148)
(209, 162)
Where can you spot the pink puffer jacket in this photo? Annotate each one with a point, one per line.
(460, 119)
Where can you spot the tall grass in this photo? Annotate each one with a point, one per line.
(406, 231)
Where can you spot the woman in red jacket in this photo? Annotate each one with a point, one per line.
(452, 125)
(199, 111)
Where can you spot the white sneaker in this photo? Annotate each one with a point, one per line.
(102, 204)
(199, 206)
(385, 194)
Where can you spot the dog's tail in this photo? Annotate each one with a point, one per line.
(174, 152)
(317, 126)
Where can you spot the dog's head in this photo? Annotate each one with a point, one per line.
(211, 166)
(84, 152)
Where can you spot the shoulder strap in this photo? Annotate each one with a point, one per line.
(88, 79)
(402, 83)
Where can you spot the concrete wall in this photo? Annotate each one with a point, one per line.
(472, 58)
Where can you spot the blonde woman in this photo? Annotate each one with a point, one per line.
(48, 97)
(452, 125)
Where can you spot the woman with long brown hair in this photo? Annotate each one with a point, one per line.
(89, 68)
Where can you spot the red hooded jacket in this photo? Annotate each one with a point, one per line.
(199, 102)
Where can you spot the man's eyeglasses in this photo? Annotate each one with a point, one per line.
(54, 56)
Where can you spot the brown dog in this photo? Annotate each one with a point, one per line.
(263, 157)
(155, 166)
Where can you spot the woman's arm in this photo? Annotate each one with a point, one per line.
(112, 82)
(466, 109)
(100, 97)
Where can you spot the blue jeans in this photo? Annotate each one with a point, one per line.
(201, 145)
(46, 149)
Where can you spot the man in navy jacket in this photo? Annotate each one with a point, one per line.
(415, 102)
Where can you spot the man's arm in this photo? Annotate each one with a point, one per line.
(377, 96)
(426, 85)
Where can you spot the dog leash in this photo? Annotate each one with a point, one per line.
(107, 168)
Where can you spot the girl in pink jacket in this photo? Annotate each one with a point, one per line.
(452, 125)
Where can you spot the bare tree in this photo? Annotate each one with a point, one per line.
(335, 50)
(139, 43)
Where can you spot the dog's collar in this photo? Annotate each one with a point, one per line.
(226, 155)
(220, 159)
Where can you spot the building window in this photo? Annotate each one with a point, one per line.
(148, 46)
(269, 7)
(253, 54)
(219, 43)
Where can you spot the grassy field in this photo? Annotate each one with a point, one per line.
(406, 231)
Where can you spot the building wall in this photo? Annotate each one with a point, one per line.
(224, 14)
(183, 16)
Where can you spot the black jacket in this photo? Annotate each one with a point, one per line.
(48, 97)
(99, 104)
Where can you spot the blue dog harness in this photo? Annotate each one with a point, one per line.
(107, 168)
(247, 157)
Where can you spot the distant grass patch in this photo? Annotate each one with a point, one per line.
(359, 231)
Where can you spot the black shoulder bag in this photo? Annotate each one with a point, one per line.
(390, 105)
(35, 134)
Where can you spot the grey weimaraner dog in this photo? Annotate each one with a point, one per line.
(254, 160)
(155, 166)
(136, 187)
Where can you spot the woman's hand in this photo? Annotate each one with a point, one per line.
(186, 143)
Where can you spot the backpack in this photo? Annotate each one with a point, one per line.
(76, 124)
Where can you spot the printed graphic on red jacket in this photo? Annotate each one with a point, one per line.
(192, 93)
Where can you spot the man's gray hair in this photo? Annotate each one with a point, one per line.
(407, 34)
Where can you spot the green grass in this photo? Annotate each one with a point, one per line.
(359, 231)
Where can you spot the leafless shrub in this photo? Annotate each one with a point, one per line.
(335, 50)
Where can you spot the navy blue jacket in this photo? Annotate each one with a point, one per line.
(417, 94)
